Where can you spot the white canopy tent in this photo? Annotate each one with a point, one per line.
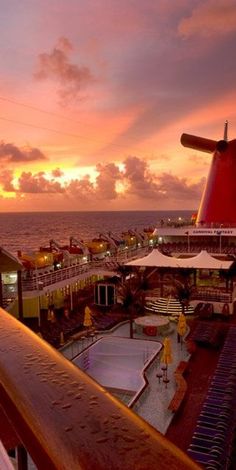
(202, 260)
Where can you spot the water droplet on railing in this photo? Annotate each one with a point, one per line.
(116, 416)
(67, 405)
(102, 439)
(130, 439)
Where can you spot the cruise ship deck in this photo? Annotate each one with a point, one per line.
(204, 364)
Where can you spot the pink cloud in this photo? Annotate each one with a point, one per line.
(140, 180)
(56, 65)
(106, 181)
(210, 18)
(179, 188)
(146, 185)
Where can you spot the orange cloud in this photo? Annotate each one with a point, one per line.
(6, 181)
(135, 177)
(57, 173)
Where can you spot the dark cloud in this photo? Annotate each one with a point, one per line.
(82, 189)
(174, 187)
(29, 183)
(109, 174)
(138, 180)
(141, 182)
(14, 154)
(56, 65)
(147, 185)
(6, 178)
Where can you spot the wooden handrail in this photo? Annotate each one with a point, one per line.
(66, 420)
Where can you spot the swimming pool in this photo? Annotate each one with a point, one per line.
(118, 364)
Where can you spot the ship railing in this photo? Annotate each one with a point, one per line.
(133, 254)
(113, 262)
(214, 295)
(215, 225)
(65, 419)
(195, 247)
(39, 281)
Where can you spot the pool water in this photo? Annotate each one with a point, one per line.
(118, 364)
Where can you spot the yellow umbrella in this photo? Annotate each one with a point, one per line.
(62, 339)
(87, 317)
(182, 326)
(166, 358)
(166, 354)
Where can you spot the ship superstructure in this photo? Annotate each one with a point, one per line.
(214, 226)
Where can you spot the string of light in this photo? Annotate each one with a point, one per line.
(34, 108)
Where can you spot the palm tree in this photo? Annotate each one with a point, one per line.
(183, 293)
(182, 290)
(131, 291)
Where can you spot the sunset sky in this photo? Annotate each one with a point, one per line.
(95, 94)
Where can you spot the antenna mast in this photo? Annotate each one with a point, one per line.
(226, 131)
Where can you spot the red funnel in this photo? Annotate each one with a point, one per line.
(218, 203)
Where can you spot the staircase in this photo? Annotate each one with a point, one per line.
(167, 306)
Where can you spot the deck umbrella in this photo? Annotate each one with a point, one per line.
(166, 357)
(87, 318)
(181, 327)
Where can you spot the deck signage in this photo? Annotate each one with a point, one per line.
(198, 231)
(219, 231)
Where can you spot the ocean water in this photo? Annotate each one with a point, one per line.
(27, 231)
